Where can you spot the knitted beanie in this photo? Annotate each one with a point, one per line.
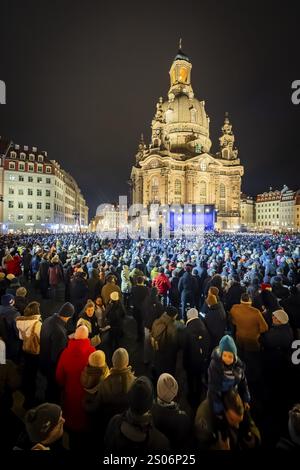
(97, 359)
(227, 344)
(7, 299)
(120, 359)
(40, 421)
(281, 316)
(67, 310)
(167, 387)
(81, 332)
(140, 396)
(192, 313)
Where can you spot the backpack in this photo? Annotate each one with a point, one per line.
(158, 334)
(31, 343)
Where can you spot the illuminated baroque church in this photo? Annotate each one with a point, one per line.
(178, 167)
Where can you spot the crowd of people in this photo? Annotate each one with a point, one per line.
(215, 323)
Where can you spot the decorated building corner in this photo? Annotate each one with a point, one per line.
(177, 167)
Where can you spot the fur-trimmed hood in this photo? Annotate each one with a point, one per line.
(26, 324)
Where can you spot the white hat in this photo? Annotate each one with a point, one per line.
(281, 316)
(114, 296)
(192, 313)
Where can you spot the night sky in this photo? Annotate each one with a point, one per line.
(83, 79)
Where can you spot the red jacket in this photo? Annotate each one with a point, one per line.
(162, 283)
(14, 266)
(71, 363)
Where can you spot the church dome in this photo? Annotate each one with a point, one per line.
(185, 110)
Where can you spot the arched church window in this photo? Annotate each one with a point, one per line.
(154, 189)
(177, 187)
(203, 166)
(193, 115)
(203, 192)
(169, 115)
(183, 74)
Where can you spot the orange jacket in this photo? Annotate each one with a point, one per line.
(249, 324)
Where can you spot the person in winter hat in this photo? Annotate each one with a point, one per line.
(8, 329)
(70, 365)
(167, 388)
(196, 353)
(53, 340)
(134, 429)
(168, 417)
(29, 327)
(94, 372)
(44, 426)
(226, 372)
(112, 394)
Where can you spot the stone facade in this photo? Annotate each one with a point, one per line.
(178, 167)
(36, 194)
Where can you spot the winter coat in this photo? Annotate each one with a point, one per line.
(138, 296)
(222, 378)
(126, 282)
(250, 324)
(9, 332)
(78, 291)
(152, 309)
(43, 269)
(173, 422)
(107, 289)
(215, 322)
(196, 346)
(277, 342)
(94, 284)
(174, 296)
(111, 397)
(233, 296)
(206, 429)
(185, 285)
(55, 273)
(28, 326)
(166, 345)
(133, 434)
(162, 283)
(92, 376)
(114, 316)
(292, 307)
(68, 372)
(10, 380)
(53, 340)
